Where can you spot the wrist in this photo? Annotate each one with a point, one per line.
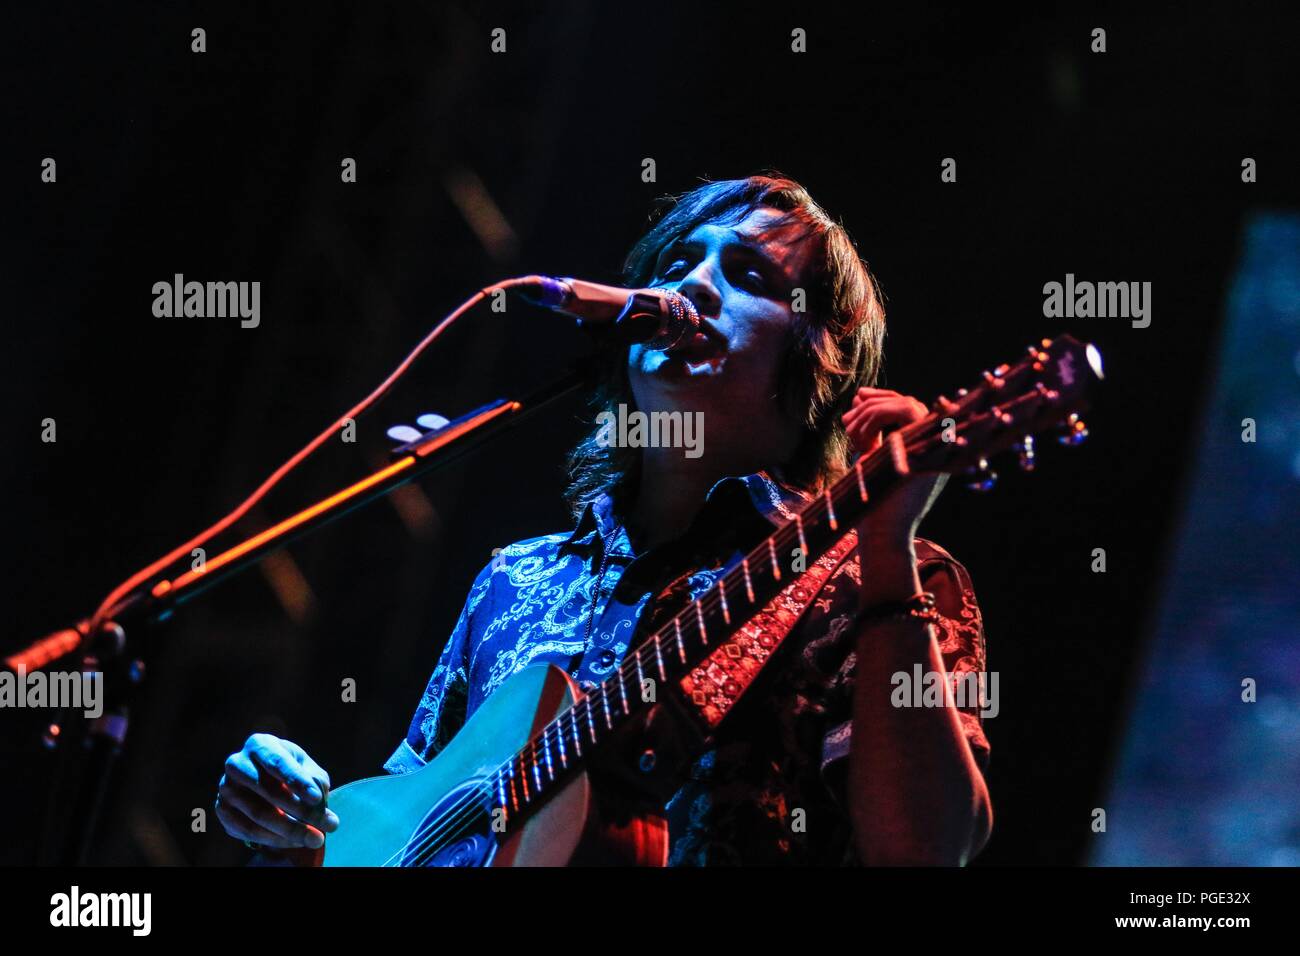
(889, 570)
(920, 608)
(886, 541)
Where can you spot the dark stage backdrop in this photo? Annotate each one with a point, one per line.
(473, 166)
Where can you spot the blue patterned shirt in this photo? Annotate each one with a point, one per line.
(557, 600)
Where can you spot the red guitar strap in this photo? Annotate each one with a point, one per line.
(712, 688)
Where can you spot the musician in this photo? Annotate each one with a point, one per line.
(823, 768)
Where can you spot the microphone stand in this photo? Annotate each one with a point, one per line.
(119, 650)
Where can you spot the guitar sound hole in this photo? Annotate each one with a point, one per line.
(456, 832)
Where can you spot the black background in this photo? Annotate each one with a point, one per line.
(1122, 166)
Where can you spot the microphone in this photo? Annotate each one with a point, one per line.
(660, 318)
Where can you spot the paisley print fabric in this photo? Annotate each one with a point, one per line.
(770, 788)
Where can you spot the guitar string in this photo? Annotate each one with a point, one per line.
(437, 830)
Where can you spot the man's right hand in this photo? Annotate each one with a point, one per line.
(273, 794)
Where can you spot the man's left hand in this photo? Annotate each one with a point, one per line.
(893, 519)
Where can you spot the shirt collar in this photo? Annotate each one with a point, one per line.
(772, 497)
(769, 495)
(596, 523)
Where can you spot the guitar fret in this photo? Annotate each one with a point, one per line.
(722, 591)
(659, 657)
(514, 795)
(577, 737)
(591, 724)
(559, 742)
(898, 452)
(604, 700)
(622, 692)
(699, 616)
(537, 772)
(523, 777)
(550, 767)
(749, 584)
(681, 645)
(803, 545)
(862, 488)
(776, 568)
(830, 510)
(640, 675)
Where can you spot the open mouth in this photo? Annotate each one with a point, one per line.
(700, 353)
(712, 364)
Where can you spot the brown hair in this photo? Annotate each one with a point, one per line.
(836, 347)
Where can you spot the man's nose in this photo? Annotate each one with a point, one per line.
(699, 287)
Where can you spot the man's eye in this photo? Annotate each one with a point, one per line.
(672, 267)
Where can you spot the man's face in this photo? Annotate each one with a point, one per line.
(740, 277)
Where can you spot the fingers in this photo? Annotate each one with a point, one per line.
(272, 755)
(874, 410)
(313, 770)
(246, 817)
(243, 772)
(239, 826)
(273, 793)
(251, 806)
(880, 399)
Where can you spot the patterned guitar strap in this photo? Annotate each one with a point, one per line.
(711, 690)
(701, 700)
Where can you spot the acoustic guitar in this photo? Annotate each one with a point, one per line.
(518, 785)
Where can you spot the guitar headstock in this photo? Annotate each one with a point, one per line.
(1047, 389)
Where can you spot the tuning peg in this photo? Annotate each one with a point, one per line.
(1049, 395)
(1025, 448)
(1074, 431)
(981, 477)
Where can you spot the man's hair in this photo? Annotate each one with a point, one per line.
(836, 343)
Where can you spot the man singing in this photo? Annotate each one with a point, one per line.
(824, 769)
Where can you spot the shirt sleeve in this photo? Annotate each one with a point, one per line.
(443, 705)
(960, 634)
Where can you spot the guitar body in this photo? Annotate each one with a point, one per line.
(438, 815)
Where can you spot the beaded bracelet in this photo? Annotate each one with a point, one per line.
(920, 606)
